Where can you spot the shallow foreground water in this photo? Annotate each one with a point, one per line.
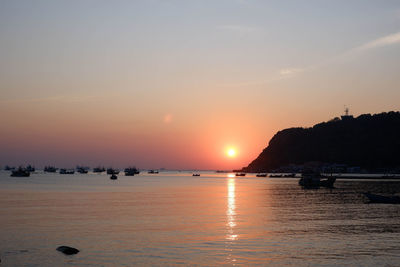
(172, 218)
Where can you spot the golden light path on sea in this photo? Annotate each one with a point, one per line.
(230, 212)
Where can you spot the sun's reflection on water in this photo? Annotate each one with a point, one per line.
(231, 210)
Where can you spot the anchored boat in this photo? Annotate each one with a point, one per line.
(112, 171)
(65, 171)
(20, 172)
(373, 198)
(50, 169)
(311, 179)
(131, 171)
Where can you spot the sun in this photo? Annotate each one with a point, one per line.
(231, 152)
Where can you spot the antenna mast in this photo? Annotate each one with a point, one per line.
(346, 115)
(346, 111)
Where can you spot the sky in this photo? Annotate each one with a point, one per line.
(176, 84)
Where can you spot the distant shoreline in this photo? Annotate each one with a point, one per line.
(347, 177)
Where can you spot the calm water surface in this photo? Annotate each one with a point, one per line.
(171, 219)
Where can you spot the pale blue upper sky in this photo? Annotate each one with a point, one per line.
(221, 41)
(285, 63)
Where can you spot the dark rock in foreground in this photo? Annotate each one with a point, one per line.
(68, 250)
(369, 141)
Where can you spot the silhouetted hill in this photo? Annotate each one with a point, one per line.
(369, 141)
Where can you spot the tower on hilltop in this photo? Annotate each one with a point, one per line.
(346, 115)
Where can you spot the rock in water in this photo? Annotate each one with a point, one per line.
(68, 250)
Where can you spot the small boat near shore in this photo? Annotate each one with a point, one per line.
(8, 168)
(374, 198)
(152, 172)
(99, 169)
(240, 174)
(310, 179)
(113, 177)
(50, 169)
(112, 171)
(131, 171)
(196, 174)
(65, 171)
(30, 168)
(82, 169)
(20, 172)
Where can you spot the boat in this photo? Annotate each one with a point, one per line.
(82, 169)
(112, 171)
(312, 179)
(240, 174)
(196, 174)
(261, 175)
(50, 169)
(65, 171)
(99, 169)
(113, 177)
(8, 168)
(30, 168)
(275, 175)
(20, 172)
(374, 198)
(152, 172)
(131, 171)
(328, 182)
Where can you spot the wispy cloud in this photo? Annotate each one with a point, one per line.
(290, 71)
(237, 28)
(380, 42)
(388, 40)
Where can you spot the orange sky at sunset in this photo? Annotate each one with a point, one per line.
(107, 136)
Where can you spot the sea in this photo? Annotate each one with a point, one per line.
(175, 219)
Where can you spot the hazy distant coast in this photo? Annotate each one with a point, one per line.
(366, 144)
